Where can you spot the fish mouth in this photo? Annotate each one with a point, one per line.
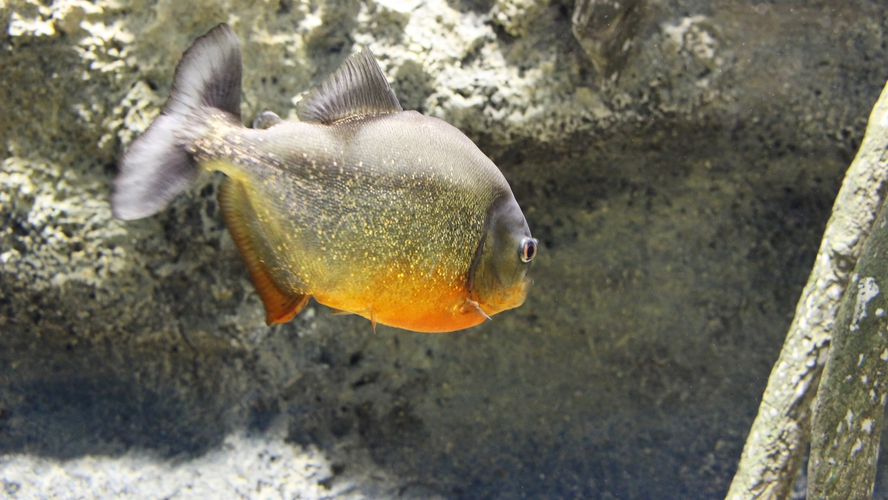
(507, 298)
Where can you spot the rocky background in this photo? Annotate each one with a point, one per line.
(677, 159)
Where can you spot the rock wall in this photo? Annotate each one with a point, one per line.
(679, 182)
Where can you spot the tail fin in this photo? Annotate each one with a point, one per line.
(157, 166)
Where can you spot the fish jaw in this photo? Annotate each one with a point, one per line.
(508, 298)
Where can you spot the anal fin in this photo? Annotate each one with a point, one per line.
(280, 306)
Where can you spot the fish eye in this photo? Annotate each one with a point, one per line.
(528, 249)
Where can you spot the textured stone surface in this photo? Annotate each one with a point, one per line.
(680, 202)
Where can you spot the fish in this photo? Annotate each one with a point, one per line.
(369, 209)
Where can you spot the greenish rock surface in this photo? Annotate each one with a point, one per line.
(679, 204)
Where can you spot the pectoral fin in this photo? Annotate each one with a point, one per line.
(280, 305)
(472, 307)
(369, 314)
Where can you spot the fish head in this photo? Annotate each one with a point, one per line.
(498, 278)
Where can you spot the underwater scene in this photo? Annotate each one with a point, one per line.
(442, 249)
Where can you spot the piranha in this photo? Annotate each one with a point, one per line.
(370, 209)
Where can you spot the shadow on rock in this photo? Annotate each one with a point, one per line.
(84, 400)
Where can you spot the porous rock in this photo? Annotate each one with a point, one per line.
(679, 200)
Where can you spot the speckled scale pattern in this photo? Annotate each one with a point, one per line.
(352, 209)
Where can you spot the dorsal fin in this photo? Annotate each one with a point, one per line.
(357, 88)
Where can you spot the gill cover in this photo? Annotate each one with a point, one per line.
(498, 278)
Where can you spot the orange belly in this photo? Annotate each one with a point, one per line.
(429, 308)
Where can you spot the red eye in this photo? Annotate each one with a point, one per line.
(528, 249)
